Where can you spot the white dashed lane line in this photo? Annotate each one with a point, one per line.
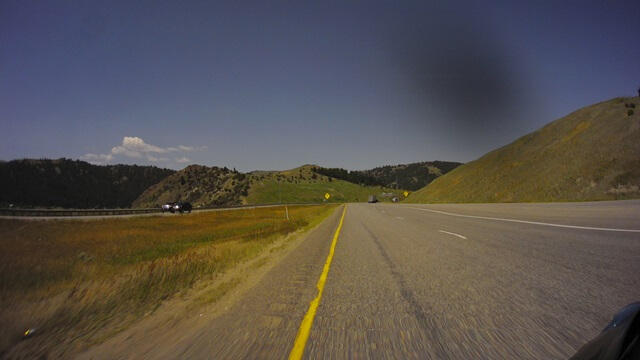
(454, 234)
(399, 218)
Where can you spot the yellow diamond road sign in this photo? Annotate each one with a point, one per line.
(406, 193)
(327, 196)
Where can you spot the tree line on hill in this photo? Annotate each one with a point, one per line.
(412, 176)
(356, 177)
(74, 184)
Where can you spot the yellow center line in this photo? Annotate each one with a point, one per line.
(307, 321)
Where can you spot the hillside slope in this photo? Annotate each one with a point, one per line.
(412, 176)
(304, 185)
(591, 154)
(74, 184)
(199, 185)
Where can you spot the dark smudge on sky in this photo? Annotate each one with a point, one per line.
(454, 66)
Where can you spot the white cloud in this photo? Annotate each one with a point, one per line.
(135, 143)
(97, 159)
(135, 147)
(121, 150)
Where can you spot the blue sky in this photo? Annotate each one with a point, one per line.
(277, 84)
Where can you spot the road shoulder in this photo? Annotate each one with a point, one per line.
(185, 317)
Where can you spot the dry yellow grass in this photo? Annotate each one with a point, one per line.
(590, 154)
(70, 279)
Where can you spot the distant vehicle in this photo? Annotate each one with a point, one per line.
(372, 199)
(168, 206)
(182, 207)
(177, 207)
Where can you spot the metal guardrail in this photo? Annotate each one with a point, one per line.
(110, 212)
(74, 212)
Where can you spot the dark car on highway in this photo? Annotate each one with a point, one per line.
(182, 207)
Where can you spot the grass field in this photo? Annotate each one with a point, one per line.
(72, 278)
(271, 191)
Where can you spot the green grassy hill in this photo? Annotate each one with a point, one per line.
(213, 186)
(303, 185)
(591, 154)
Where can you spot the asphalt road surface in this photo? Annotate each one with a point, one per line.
(503, 281)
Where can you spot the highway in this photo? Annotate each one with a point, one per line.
(486, 281)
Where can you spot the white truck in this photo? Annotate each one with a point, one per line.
(372, 199)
